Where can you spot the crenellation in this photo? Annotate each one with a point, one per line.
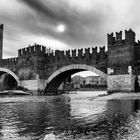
(57, 53)
(24, 51)
(43, 50)
(68, 54)
(87, 51)
(129, 37)
(19, 52)
(80, 53)
(94, 50)
(102, 54)
(94, 55)
(119, 36)
(61, 54)
(37, 48)
(9, 61)
(74, 53)
(87, 55)
(32, 48)
(115, 41)
(102, 49)
(49, 50)
(110, 39)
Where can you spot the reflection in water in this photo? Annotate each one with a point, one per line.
(119, 115)
(66, 117)
(33, 119)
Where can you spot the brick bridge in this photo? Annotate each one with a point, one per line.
(38, 69)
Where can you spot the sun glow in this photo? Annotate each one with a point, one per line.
(61, 28)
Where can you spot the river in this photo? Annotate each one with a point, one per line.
(69, 117)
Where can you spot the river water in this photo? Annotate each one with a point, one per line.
(69, 117)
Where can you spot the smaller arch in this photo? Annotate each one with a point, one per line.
(77, 67)
(11, 73)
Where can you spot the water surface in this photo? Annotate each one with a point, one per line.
(76, 116)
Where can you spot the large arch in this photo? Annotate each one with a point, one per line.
(5, 70)
(52, 83)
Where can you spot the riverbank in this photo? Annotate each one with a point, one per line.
(13, 92)
(119, 95)
(92, 89)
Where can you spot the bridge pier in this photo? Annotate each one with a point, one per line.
(121, 83)
(33, 85)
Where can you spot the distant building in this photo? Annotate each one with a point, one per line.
(78, 81)
(95, 80)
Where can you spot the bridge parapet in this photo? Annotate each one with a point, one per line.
(78, 54)
(88, 55)
(58, 56)
(32, 50)
(9, 61)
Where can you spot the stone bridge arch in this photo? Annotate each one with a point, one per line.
(54, 81)
(8, 71)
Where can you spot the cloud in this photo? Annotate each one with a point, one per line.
(86, 22)
(82, 27)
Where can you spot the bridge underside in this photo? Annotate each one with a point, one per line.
(59, 79)
(7, 81)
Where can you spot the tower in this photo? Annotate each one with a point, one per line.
(1, 41)
(121, 56)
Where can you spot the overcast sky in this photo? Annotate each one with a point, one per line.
(65, 24)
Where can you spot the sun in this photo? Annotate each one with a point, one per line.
(61, 28)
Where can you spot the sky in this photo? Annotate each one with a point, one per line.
(65, 24)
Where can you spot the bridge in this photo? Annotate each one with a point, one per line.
(37, 69)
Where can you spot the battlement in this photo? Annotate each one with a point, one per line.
(9, 61)
(129, 38)
(119, 36)
(102, 49)
(35, 49)
(77, 54)
(102, 54)
(59, 54)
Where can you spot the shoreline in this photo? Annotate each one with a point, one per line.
(13, 92)
(119, 95)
